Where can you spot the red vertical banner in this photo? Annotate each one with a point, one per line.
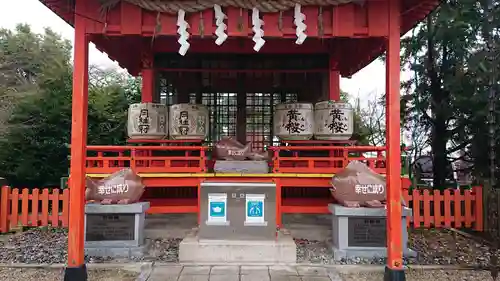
(394, 208)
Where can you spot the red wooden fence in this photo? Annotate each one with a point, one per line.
(33, 208)
(449, 208)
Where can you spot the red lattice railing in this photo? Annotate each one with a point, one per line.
(146, 159)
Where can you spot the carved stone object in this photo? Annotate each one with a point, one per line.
(121, 187)
(188, 121)
(230, 149)
(147, 121)
(333, 121)
(294, 121)
(358, 186)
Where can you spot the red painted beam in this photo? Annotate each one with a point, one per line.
(347, 20)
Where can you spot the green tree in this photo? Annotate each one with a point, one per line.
(33, 151)
(24, 56)
(445, 97)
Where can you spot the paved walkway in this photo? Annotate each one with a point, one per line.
(241, 273)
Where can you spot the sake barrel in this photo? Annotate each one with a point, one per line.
(333, 120)
(188, 121)
(147, 121)
(294, 121)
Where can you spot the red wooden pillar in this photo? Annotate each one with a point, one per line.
(394, 269)
(148, 78)
(76, 270)
(148, 85)
(333, 80)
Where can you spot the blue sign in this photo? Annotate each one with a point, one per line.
(255, 209)
(217, 209)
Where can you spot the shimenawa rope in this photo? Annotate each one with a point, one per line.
(191, 6)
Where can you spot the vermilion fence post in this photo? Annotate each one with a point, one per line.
(478, 208)
(427, 208)
(55, 208)
(416, 208)
(34, 206)
(4, 209)
(437, 198)
(14, 200)
(45, 207)
(408, 198)
(25, 198)
(468, 198)
(458, 198)
(65, 210)
(447, 208)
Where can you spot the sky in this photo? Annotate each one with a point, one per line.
(367, 84)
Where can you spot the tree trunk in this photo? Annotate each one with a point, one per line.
(439, 98)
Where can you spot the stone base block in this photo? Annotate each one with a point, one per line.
(247, 167)
(115, 230)
(279, 251)
(366, 253)
(362, 232)
(116, 252)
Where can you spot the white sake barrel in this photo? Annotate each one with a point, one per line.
(333, 121)
(147, 121)
(188, 121)
(294, 121)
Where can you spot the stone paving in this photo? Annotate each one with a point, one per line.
(242, 273)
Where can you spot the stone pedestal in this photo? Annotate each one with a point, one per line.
(362, 232)
(244, 167)
(115, 230)
(237, 226)
(282, 250)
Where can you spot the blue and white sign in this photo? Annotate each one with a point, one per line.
(254, 208)
(217, 207)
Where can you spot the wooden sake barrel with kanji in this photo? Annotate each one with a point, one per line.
(147, 121)
(294, 121)
(333, 121)
(188, 121)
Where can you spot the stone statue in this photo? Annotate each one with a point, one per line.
(230, 149)
(121, 187)
(358, 186)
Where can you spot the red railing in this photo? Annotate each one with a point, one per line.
(449, 208)
(325, 159)
(35, 207)
(146, 159)
(438, 209)
(169, 156)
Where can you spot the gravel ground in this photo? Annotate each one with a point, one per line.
(442, 246)
(16, 274)
(434, 246)
(420, 275)
(48, 245)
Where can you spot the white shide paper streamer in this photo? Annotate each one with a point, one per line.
(183, 33)
(220, 31)
(299, 19)
(257, 24)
